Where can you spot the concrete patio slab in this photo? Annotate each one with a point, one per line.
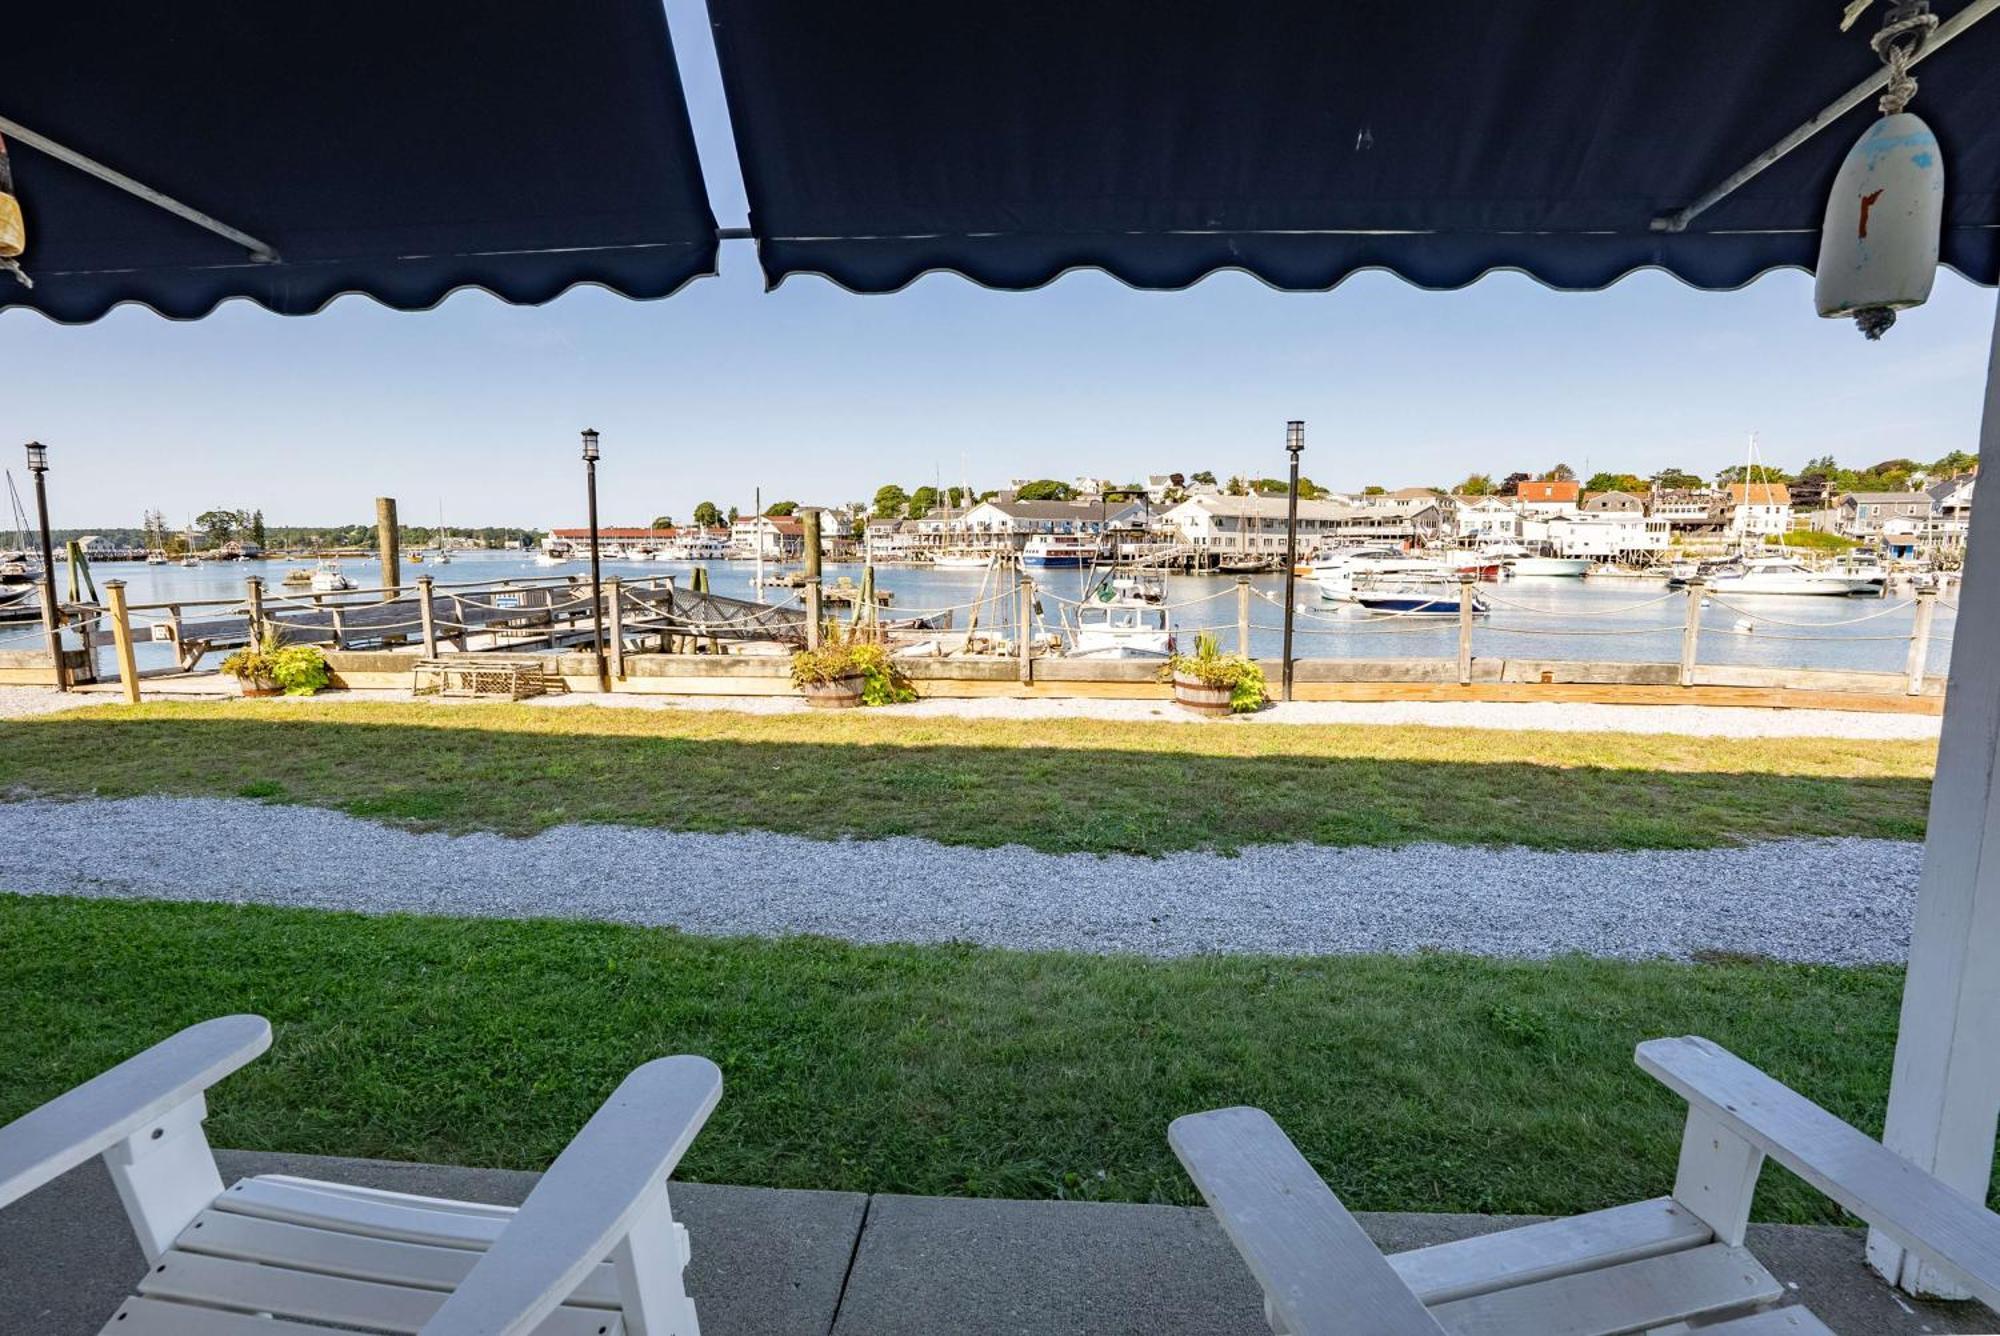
(770, 1262)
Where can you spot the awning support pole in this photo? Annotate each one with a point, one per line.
(111, 176)
(1944, 1093)
(1678, 220)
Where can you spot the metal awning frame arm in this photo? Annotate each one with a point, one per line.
(261, 252)
(1678, 220)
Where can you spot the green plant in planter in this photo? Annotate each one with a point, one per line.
(1211, 667)
(851, 655)
(296, 670)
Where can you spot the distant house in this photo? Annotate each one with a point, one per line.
(1008, 522)
(1688, 509)
(1249, 524)
(1613, 503)
(1863, 515)
(782, 537)
(1487, 518)
(1610, 534)
(1757, 509)
(1951, 508)
(1548, 496)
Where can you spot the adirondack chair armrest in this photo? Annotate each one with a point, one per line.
(110, 1108)
(1321, 1274)
(609, 1179)
(1944, 1227)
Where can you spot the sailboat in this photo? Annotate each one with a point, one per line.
(443, 554)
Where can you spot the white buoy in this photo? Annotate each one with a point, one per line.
(1745, 625)
(1878, 248)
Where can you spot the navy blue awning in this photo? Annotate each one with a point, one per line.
(1303, 140)
(395, 149)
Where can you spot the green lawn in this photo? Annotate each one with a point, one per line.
(1438, 1083)
(1054, 785)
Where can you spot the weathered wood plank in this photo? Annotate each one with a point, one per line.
(1466, 1267)
(1713, 1278)
(1791, 1321)
(1322, 1276)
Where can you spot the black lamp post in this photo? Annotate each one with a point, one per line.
(38, 464)
(596, 583)
(1295, 443)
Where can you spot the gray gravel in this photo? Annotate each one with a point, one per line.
(1846, 901)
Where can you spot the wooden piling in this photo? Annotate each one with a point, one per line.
(1027, 628)
(427, 611)
(1691, 630)
(1243, 615)
(388, 546)
(1466, 591)
(253, 599)
(614, 598)
(1920, 639)
(809, 526)
(121, 637)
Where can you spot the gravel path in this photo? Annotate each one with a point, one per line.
(1846, 901)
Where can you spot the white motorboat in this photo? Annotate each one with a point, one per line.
(1335, 569)
(1123, 619)
(698, 547)
(327, 579)
(953, 559)
(555, 551)
(1553, 568)
(1789, 577)
(1412, 595)
(1062, 551)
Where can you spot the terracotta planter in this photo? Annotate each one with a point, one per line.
(1191, 693)
(256, 686)
(843, 693)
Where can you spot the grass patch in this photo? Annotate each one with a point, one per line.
(1433, 1083)
(1059, 786)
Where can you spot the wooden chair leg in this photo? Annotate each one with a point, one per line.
(1718, 1176)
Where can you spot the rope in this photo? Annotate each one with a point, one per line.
(1807, 626)
(1654, 630)
(1898, 44)
(1500, 602)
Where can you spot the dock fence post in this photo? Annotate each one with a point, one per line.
(1243, 615)
(121, 638)
(427, 611)
(1027, 628)
(1691, 631)
(1465, 593)
(253, 598)
(1920, 638)
(614, 597)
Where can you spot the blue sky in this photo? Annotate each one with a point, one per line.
(819, 395)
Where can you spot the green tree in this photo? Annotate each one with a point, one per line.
(781, 508)
(1953, 464)
(1308, 489)
(1614, 482)
(954, 497)
(257, 527)
(706, 515)
(1374, 489)
(1204, 477)
(218, 526)
(1476, 484)
(1511, 484)
(1560, 473)
(1675, 480)
(891, 502)
(734, 515)
(1763, 473)
(663, 522)
(1046, 489)
(922, 502)
(1236, 486)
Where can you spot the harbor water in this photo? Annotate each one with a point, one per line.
(1625, 620)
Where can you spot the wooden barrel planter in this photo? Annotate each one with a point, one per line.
(256, 686)
(843, 693)
(1191, 693)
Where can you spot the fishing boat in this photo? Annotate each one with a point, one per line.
(1062, 551)
(1250, 565)
(298, 579)
(1791, 578)
(1124, 618)
(327, 579)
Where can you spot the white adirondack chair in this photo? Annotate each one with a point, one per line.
(593, 1251)
(1649, 1267)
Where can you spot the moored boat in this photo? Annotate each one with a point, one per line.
(1061, 551)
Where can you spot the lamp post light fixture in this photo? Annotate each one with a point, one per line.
(596, 581)
(1295, 444)
(38, 464)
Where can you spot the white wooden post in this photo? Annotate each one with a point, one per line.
(1944, 1095)
(1027, 628)
(649, 1262)
(1243, 615)
(1920, 639)
(427, 613)
(1691, 631)
(1718, 1176)
(614, 598)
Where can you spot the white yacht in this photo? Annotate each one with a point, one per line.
(1787, 576)
(962, 559)
(555, 551)
(1062, 551)
(1334, 569)
(697, 547)
(1541, 562)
